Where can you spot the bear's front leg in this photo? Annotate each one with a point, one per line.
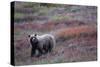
(33, 51)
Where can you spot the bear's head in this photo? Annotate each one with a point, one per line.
(33, 39)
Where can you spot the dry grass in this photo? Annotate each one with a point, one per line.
(73, 48)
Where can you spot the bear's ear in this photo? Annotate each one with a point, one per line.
(35, 34)
(29, 35)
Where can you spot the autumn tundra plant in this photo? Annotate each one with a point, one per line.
(67, 33)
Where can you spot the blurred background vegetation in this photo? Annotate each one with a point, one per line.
(46, 12)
